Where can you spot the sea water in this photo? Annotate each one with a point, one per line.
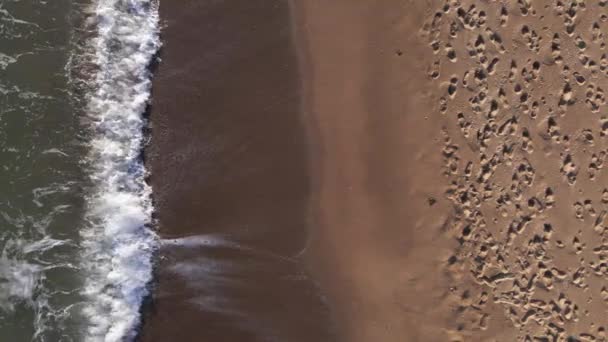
(75, 210)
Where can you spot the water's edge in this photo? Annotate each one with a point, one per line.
(118, 240)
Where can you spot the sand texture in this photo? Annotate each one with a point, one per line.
(519, 86)
(460, 193)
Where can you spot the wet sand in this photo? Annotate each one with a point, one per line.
(229, 166)
(382, 171)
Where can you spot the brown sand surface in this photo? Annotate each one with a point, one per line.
(229, 170)
(375, 244)
(520, 88)
(434, 174)
(458, 165)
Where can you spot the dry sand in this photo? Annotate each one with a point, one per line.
(375, 244)
(458, 155)
(228, 163)
(520, 88)
(433, 172)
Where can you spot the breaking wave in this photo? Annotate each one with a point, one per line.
(118, 240)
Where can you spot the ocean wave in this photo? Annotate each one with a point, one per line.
(118, 240)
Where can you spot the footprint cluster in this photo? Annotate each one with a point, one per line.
(521, 94)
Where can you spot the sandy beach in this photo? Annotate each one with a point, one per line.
(380, 171)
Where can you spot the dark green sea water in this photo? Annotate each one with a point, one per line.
(69, 166)
(41, 182)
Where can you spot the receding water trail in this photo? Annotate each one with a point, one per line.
(118, 241)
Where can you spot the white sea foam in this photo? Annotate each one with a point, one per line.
(6, 60)
(18, 280)
(118, 242)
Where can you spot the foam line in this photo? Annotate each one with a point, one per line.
(119, 242)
